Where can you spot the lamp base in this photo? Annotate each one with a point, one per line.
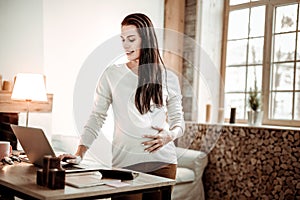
(27, 112)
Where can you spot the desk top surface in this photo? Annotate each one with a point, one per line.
(22, 178)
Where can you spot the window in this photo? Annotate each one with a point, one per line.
(262, 45)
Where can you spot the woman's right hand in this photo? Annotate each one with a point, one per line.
(74, 159)
(70, 158)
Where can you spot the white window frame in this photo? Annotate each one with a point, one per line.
(270, 7)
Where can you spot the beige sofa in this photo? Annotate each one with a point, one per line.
(191, 165)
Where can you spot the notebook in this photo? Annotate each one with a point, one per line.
(90, 179)
(36, 145)
(85, 179)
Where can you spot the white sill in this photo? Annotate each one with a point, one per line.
(246, 125)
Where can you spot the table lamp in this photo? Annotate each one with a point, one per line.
(29, 87)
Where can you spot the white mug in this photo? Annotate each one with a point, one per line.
(5, 149)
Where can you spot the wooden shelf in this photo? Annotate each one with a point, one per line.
(10, 106)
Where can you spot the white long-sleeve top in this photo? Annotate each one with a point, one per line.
(117, 87)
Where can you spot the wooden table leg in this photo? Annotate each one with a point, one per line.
(6, 194)
(166, 193)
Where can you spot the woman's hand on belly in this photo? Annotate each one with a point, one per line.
(158, 140)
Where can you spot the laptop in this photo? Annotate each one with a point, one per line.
(36, 145)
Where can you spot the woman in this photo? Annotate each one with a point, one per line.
(146, 102)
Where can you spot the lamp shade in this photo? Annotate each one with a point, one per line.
(30, 87)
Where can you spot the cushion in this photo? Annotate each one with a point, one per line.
(184, 175)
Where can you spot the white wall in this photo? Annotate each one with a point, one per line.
(21, 46)
(21, 37)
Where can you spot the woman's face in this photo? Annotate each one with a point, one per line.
(131, 42)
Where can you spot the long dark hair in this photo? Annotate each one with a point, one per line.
(149, 71)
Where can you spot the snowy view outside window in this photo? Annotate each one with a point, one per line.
(263, 44)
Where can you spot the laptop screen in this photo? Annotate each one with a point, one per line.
(34, 142)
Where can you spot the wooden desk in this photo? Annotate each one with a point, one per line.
(20, 180)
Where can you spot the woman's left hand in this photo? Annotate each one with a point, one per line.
(158, 140)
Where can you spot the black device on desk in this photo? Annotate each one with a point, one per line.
(11, 159)
(7, 160)
(118, 174)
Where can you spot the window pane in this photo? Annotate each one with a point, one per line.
(252, 72)
(283, 75)
(235, 79)
(237, 101)
(257, 21)
(284, 48)
(256, 51)
(298, 47)
(297, 85)
(297, 106)
(236, 52)
(235, 2)
(286, 18)
(245, 56)
(281, 105)
(238, 24)
(298, 22)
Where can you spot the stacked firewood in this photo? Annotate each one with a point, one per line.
(247, 162)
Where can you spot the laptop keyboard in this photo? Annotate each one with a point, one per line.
(70, 167)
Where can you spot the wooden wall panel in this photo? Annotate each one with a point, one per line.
(173, 43)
